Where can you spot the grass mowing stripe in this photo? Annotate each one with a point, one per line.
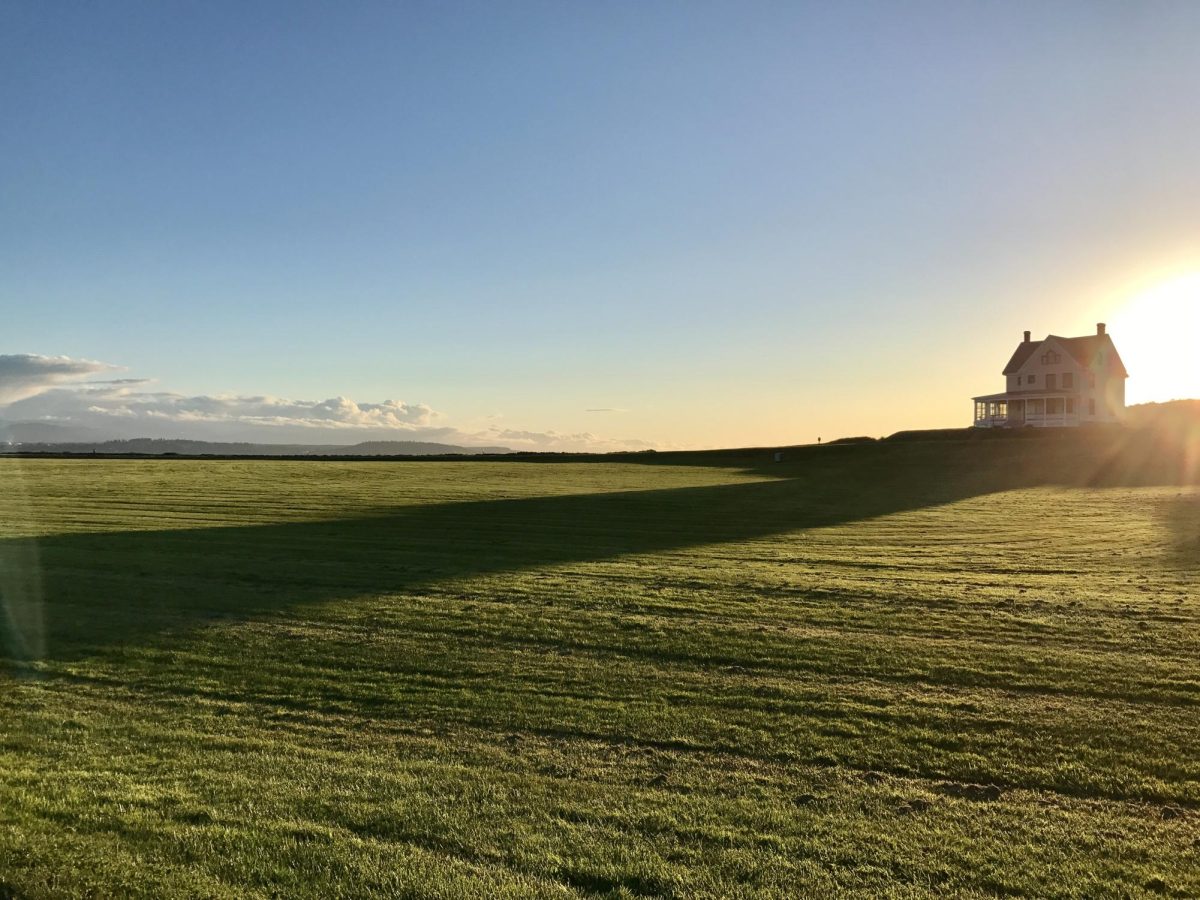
(884, 672)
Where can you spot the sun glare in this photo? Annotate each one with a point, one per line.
(1157, 333)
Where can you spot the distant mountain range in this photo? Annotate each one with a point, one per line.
(161, 446)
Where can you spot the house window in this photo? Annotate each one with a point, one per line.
(1068, 380)
(1031, 378)
(1070, 406)
(1050, 383)
(1091, 407)
(1054, 406)
(1050, 358)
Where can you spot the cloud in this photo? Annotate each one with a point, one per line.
(38, 389)
(26, 374)
(556, 441)
(98, 404)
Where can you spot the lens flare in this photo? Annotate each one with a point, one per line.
(1157, 332)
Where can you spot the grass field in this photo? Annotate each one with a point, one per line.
(899, 670)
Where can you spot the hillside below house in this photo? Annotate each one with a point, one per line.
(1058, 382)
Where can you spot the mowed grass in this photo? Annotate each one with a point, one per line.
(906, 670)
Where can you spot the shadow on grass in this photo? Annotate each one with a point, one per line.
(108, 589)
(1181, 516)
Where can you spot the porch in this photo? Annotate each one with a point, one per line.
(1045, 410)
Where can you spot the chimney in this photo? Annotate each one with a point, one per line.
(1027, 337)
(1099, 328)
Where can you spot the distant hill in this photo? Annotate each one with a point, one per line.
(160, 446)
(50, 433)
(1173, 413)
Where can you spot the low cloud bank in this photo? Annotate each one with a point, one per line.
(556, 441)
(37, 389)
(122, 409)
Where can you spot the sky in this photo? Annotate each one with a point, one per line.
(582, 225)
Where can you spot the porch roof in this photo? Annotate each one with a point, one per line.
(1026, 395)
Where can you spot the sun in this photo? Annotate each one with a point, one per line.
(1157, 332)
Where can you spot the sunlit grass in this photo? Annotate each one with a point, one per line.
(905, 671)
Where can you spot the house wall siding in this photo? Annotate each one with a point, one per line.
(1019, 380)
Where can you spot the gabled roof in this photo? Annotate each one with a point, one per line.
(1020, 356)
(1084, 350)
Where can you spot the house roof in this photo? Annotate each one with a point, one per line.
(1021, 355)
(1084, 350)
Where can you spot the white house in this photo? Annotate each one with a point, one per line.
(1058, 382)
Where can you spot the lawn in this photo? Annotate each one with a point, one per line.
(908, 670)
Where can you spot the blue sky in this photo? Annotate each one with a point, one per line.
(722, 224)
